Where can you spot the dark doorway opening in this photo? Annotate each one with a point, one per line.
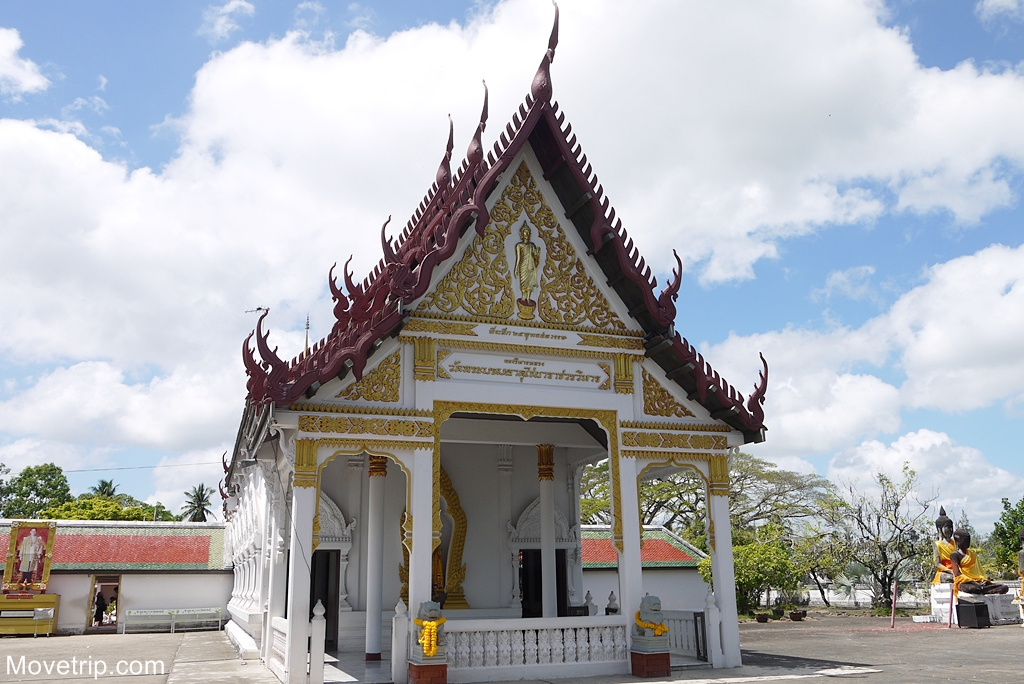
(323, 587)
(103, 608)
(531, 584)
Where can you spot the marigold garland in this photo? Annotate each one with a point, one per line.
(658, 629)
(428, 635)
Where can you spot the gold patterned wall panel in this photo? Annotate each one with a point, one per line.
(481, 283)
(357, 425)
(658, 401)
(380, 384)
(669, 440)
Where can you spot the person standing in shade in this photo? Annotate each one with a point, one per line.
(101, 608)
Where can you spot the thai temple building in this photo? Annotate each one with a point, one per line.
(431, 446)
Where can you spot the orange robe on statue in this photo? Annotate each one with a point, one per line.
(944, 549)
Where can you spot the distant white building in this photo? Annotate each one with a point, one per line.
(668, 562)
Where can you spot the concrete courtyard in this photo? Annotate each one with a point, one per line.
(837, 648)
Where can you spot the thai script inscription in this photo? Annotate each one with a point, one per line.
(529, 371)
(525, 334)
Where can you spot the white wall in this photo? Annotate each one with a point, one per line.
(74, 601)
(678, 588)
(140, 591)
(157, 591)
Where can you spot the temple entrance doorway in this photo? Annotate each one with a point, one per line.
(323, 587)
(532, 586)
(103, 608)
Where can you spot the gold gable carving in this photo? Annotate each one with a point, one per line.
(380, 384)
(481, 282)
(658, 401)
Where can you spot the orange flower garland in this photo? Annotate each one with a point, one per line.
(658, 629)
(428, 635)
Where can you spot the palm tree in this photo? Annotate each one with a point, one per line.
(105, 488)
(197, 503)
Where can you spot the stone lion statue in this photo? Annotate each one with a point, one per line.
(429, 631)
(431, 610)
(650, 621)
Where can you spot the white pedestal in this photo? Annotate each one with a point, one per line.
(1001, 610)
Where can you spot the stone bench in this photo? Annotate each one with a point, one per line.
(174, 618)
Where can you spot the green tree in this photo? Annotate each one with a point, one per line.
(105, 488)
(197, 503)
(822, 551)
(103, 508)
(760, 565)
(760, 492)
(1006, 538)
(33, 490)
(889, 534)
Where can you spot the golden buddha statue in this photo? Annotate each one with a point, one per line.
(969, 577)
(527, 263)
(943, 548)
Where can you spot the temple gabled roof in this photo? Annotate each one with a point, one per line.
(367, 312)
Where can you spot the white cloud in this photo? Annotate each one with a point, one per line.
(177, 475)
(995, 9)
(220, 21)
(960, 475)
(17, 75)
(854, 283)
(131, 285)
(95, 104)
(29, 451)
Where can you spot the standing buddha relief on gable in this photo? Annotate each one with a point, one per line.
(483, 284)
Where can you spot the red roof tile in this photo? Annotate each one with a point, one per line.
(653, 551)
(124, 549)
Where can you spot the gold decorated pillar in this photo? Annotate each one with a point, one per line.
(546, 480)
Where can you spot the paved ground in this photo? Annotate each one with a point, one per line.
(833, 648)
(174, 658)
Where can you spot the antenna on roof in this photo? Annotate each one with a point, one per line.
(306, 351)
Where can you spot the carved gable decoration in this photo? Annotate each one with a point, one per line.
(483, 285)
(380, 384)
(527, 529)
(658, 401)
(333, 527)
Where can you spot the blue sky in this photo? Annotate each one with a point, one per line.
(840, 209)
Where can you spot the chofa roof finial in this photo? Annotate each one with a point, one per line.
(444, 171)
(476, 150)
(541, 88)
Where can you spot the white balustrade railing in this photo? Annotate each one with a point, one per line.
(584, 645)
(278, 644)
(682, 633)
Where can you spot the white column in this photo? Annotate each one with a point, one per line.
(546, 480)
(375, 555)
(355, 503)
(724, 578)
(631, 584)
(505, 518)
(422, 528)
(303, 505)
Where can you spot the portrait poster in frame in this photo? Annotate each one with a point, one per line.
(29, 554)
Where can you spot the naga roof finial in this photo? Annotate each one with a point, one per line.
(541, 88)
(476, 149)
(444, 171)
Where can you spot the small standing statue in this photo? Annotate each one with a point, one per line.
(968, 575)
(430, 640)
(527, 262)
(944, 548)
